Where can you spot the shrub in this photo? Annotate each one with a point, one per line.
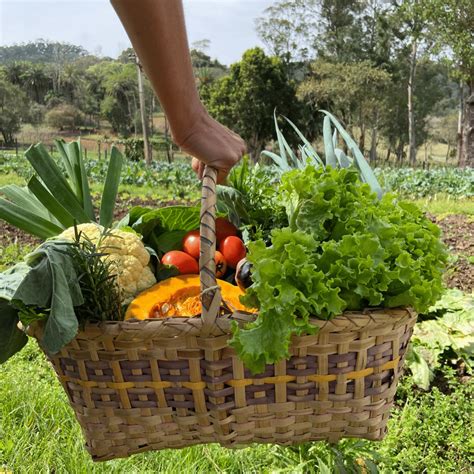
(64, 117)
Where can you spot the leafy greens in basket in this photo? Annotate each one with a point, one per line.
(344, 250)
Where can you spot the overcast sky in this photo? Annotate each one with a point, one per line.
(228, 24)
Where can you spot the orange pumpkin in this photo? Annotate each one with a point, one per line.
(179, 297)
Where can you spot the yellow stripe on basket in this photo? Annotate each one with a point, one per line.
(120, 385)
(239, 383)
(157, 385)
(359, 374)
(392, 364)
(279, 379)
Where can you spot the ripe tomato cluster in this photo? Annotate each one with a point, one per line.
(231, 250)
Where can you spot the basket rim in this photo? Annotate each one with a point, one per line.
(366, 319)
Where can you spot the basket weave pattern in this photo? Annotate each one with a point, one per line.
(146, 385)
(133, 388)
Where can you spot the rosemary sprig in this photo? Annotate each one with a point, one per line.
(97, 280)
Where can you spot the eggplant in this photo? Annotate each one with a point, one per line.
(243, 274)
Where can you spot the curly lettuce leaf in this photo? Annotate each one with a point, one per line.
(344, 249)
(287, 289)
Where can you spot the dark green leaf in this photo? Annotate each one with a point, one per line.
(109, 194)
(12, 339)
(27, 221)
(54, 180)
(50, 202)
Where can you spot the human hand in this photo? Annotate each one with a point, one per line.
(210, 143)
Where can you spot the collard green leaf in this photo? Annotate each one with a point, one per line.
(12, 339)
(11, 278)
(166, 241)
(168, 219)
(164, 272)
(52, 271)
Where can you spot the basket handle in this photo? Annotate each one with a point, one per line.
(210, 291)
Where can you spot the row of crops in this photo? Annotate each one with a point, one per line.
(456, 182)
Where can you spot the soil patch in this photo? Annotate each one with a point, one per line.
(458, 235)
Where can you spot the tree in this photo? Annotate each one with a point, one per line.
(40, 51)
(13, 109)
(354, 92)
(206, 70)
(413, 31)
(287, 29)
(341, 33)
(451, 24)
(246, 99)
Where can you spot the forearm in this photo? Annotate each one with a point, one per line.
(157, 31)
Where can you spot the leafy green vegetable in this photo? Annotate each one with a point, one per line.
(344, 249)
(250, 201)
(53, 271)
(12, 339)
(446, 333)
(163, 229)
(59, 196)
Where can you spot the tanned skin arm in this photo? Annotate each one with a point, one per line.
(157, 31)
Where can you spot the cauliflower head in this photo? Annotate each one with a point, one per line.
(127, 254)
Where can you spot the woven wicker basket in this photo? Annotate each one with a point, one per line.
(146, 385)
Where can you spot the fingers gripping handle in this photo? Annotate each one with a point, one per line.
(210, 292)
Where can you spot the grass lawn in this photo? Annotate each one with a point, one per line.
(429, 432)
(444, 206)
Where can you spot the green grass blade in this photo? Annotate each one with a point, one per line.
(331, 159)
(27, 221)
(55, 181)
(50, 202)
(365, 170)
(109, 194)
(83, 193)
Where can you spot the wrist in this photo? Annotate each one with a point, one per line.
(185, 125)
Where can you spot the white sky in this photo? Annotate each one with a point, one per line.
(228, 24)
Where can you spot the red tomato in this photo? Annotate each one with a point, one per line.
(221, 264)
(224, 228)
(192, 244)
(233, 250)
(182, 261)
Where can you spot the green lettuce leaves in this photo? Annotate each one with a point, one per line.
(344, 250)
